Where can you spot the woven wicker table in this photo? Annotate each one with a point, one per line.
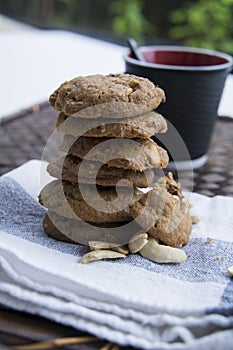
(23, 137)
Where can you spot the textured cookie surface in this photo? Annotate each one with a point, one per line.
(76, 231)
(144, 126)
(135, 154)
(117, 95)
(164, 213)
(91, 172)
(88, 204)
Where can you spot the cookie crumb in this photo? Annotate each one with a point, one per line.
(195, 219)
(209, 240)
(36, 108)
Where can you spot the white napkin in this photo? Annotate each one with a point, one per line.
(225, 108)
(131, 302)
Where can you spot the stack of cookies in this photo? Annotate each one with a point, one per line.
(107, 122)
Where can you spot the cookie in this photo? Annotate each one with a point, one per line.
(142, 126)
(163, 214)
(68, 168)
(79, 232)
(135, 154)
(88, 203)
(113, 95)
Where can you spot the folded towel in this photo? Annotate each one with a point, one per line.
(131, 301)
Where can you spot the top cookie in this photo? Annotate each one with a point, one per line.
(113, 95)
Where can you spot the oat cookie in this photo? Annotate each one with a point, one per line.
(79, 232)
(67, 168)
(117, 95)
(66, 199)
(135, 154)
(163, 214)
(143, 126)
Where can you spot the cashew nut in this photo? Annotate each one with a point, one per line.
(121, 249)
(94, 245)
(138, 242)
(161, 253)
(98, 245)
(230, 270)
(99, 255)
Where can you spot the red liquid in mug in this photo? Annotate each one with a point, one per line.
(176, 58)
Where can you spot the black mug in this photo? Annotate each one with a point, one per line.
(193, 80)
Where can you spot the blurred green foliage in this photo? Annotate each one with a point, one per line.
(204, 23)
(70, 14)
(113, 20)
(129, 20)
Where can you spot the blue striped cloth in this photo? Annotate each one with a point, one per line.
(131, 301)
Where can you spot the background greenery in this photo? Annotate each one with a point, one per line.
(201, 23)
(112, 20)
(204, 23)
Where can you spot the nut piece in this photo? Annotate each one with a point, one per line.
(138, 242)
(99, 245)
(99, 255)
(176, 197)
(230, 270)
(161, 253)
(94, 245)
(121, 249)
